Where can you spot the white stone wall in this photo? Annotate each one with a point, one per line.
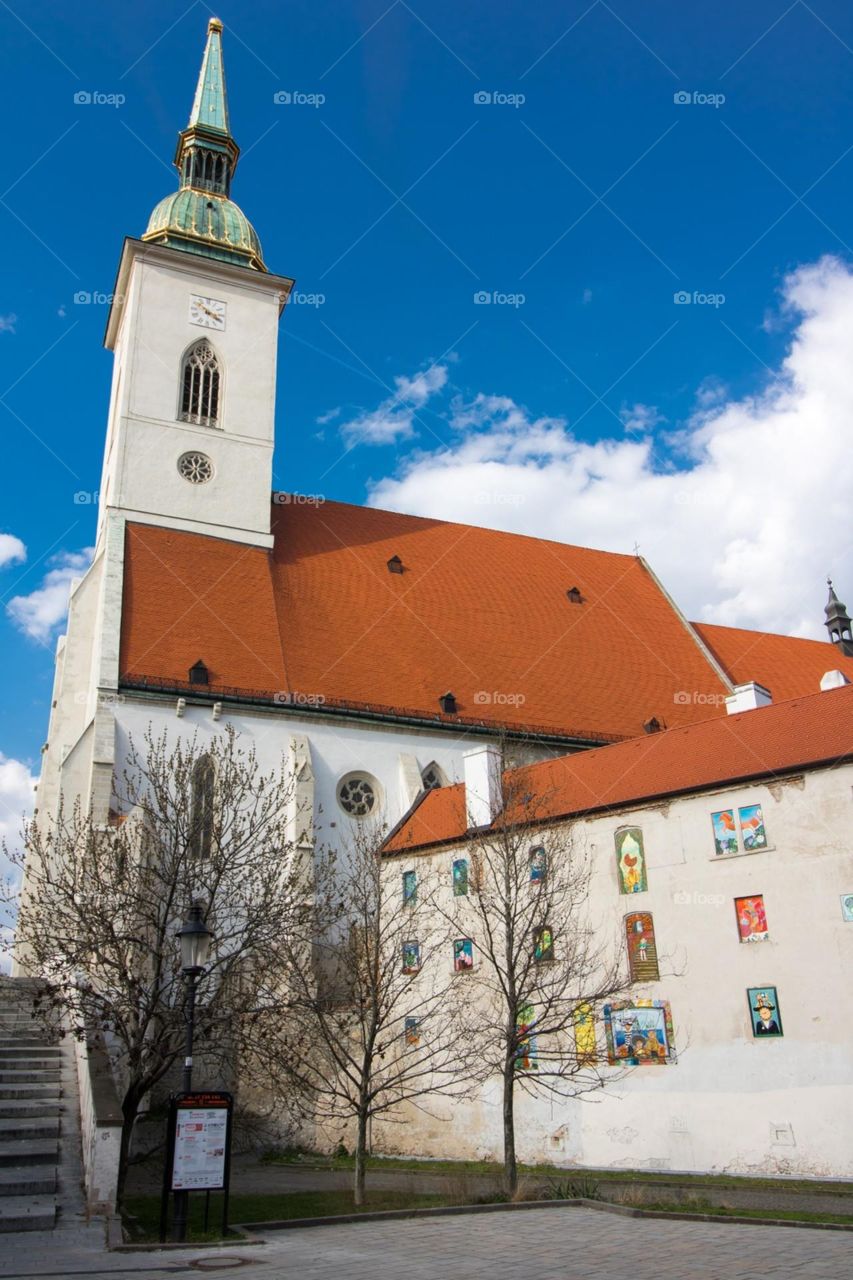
(731, 1101)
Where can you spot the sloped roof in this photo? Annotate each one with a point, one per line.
(785, 665)
(481, 613)
(772, 740)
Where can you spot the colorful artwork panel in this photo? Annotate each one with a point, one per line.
(764, 1011)
(411, 957)
(460, 878)
(847, 907)
(725, 832)
(463, 955)
(585, 1045)
(526, 1052)
(543, 944)
(639, 1034)
(752, 827)
(413, 1031)
(642, 951)
(751, 918)
(538, 866)
(631, 860)
(410, 888)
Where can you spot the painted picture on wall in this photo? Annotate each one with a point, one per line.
(640, 1033)
(538, 866)
(543, 944)
(463, 955)
(411, 957)
(642, 951)
(752, 827)
(725, 832)
(631, 860)
(460, 878)
(751, 918)
(413, 1031)
(585, 1045)
(764, 1011)
(410, 888)
(847, 907)
(526, 1053)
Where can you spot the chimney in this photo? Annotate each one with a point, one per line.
(833, 680)
(482, 785)
(747, 697)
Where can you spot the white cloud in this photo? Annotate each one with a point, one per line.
(8, 323)
(16, 804)
(743, 514)
(12, 550)
(44, 609)
(394, 419)
(328, 417)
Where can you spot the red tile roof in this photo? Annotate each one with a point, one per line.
(773, 740)
(787, 666)
(481, 613)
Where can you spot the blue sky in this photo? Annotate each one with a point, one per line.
(397, 200)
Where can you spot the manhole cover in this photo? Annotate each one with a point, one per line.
(220, 1262)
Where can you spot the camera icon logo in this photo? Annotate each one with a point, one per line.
(681, 98)
(681, 297)
(482, 298)
(481, 697)
(482, 97)
(82, 98)
(282, 98)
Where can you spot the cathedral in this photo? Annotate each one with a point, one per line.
(377, 651)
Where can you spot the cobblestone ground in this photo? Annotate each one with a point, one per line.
(537, 1244)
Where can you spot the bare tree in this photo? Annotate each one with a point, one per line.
(541, 965)
(102, 904)
(355, 1032)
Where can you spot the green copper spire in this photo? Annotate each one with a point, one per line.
(210, 107)
(200, 217)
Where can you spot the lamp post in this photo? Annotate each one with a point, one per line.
(195, 939)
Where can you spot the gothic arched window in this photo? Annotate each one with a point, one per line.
(201, 808)
(200, 386)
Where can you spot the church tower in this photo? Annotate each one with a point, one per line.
(194, 326)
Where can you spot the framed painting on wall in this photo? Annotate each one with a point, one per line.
(751, 918)
(639, 1034)
(460, 878)
(631, 860)
(410, 888)
(764, 1011)
(411, 957)
(752, 831)
(526, 1056)
(463, 955)
(847, 907)
(642, 951)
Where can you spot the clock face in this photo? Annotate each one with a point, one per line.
(207, 312)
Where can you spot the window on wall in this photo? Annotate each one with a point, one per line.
(631, 860)
(739, 830)
(463, 955)
(433, 776)
(526, 1053)
(358, 794)
(642, 952)
(460, 878)
(538, 864)
(410, 888)
(200, 382)
(543, 944)
(413, 1031)
(202, 798)
(411, 957)
(586, 1050)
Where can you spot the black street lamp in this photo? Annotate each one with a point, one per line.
(195, 940)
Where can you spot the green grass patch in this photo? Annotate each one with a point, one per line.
(731, 1211)
(141, 1215)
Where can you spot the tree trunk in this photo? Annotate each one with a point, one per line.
(360, 1155)
(510, 1165)
(129, 1109)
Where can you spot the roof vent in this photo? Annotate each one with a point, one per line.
(748, 697)
(574, 595)
(833, 680)
(448, 704)
(652, 726)
(395, 565)
(199, 673)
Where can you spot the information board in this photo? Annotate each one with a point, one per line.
(201, 1141)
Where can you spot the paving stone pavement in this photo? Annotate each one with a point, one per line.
(548, 1244)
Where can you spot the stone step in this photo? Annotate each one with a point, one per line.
(25, 1042)
(27, 1213)
(21, 1073)
(43, 1054)
(28, 1180)
(28, 1108)
(28, 1151)
(36, 1127)
(27, 1088)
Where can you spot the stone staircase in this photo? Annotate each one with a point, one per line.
(34, 1080)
